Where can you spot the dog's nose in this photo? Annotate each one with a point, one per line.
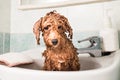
(54, 41)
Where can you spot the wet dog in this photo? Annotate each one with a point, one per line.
(60, 53)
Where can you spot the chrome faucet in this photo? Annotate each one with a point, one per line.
(94, 42)
(94, 49)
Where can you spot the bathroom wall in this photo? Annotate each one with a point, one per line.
(22, 23)
(86, 20)
(115, 15)
(4, 26)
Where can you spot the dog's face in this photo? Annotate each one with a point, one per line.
(54, 28)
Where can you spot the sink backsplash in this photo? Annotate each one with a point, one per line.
(16, 42)
(83, 35)
(4, 42)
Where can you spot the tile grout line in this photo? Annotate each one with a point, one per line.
(3, 42)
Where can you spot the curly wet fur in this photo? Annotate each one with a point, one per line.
(61, 56)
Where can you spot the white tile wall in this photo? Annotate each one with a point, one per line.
(86, 17)
(81, 17)
(114, 7)
(23, 21)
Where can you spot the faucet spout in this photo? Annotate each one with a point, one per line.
(94, 42)
(94, 49)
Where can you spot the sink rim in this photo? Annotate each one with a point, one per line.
(116, 59)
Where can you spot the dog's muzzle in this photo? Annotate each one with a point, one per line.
(54, 41)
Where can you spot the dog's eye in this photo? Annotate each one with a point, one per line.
(59, 27)
(46, 28)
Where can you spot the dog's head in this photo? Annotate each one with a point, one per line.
(53, 26)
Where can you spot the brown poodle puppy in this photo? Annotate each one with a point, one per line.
(60, 53)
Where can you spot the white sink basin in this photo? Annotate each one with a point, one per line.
(99, 68)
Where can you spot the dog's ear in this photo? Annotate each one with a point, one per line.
(67, 26)
(37, 29)
(69, 29)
